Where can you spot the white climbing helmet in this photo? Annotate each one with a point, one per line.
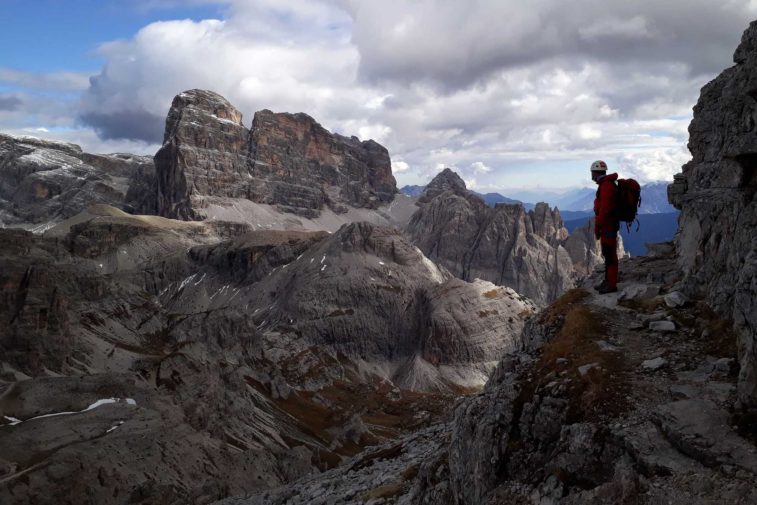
(599, 166)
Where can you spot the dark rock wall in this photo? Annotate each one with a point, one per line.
(716, 193)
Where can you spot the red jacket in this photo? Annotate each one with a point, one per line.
(604, 205)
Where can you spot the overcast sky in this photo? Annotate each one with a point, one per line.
(511, 94)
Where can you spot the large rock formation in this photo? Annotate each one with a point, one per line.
(43, 182)
(285, 160)
(151, 360)
(505, 244)
(597, 407)
(717, 195)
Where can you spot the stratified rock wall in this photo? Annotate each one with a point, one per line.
(287, 160)
(716, 193)
(301, 164)
(506, 245)
(204, 152)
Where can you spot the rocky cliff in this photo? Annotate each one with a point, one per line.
(529, 251)
(717, 195)
(285, 160)
(150, 360)
(43, 182)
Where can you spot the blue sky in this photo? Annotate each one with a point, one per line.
(510, 94)
(63, 35)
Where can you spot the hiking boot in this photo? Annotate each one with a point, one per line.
(601, 285)
(606, 289)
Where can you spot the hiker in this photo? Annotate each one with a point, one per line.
(606, 223)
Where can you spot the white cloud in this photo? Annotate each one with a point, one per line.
(658, 165)
(479, 167)
(399, 166)
(488, 86)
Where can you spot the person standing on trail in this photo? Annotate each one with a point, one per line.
(606, 223)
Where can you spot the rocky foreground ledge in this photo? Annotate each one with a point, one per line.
(621, 398)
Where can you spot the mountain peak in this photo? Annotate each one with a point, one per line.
(446, 180)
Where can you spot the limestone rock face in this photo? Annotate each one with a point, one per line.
(505, 245)
(204, 152)
(286, 160)
(43, 182)
(717, 195)
(303, 165)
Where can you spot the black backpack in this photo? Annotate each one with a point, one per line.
(628, 201)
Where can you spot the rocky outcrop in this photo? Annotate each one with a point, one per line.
(505, 244)
(286, 160)
(156, 360)
(43, 182)
(717, 196)
(597, 406)
(204, 152)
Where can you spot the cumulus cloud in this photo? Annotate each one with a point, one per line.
(454, 44)
(659, 165)
(489, 87)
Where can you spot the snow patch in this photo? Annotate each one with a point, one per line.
(98, 403)
(185, 281)
(433, 270)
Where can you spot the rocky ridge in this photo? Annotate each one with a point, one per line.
(285, 160)
(717, 195)
(529, 251)
(42, 182)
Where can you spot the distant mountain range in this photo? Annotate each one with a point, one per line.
(652, 228)
(658, 220)
(654, 199)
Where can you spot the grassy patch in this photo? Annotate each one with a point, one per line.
(487, 313)
(602, 390)
(560, 307)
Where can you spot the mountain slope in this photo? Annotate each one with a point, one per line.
(151, 359)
